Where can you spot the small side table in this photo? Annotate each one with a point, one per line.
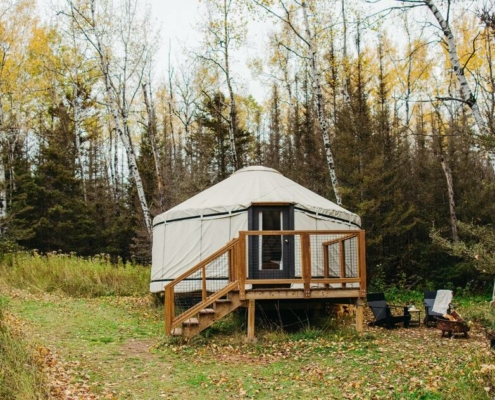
(415, 317)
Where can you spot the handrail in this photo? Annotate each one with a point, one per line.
(171, 321)
(307, 279)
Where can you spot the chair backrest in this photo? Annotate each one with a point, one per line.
(442, 301)
(378, 305)
(429, 299)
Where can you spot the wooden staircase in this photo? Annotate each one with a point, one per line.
(208, 316)
(212, 306)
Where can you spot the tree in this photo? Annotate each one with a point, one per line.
(477, 246)
(467, 95)
(308, 40)
(122, 68)
(18, 37)
(64, 222)
(222, 35)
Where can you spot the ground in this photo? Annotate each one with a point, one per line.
(114, 348)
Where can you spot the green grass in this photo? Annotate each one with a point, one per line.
(74, 276)
(113, 346)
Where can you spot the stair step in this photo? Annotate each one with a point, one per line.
(207, 311)
(223, 301)
(190, 322)
(177, 332)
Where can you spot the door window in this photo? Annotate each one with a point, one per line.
(271, 249)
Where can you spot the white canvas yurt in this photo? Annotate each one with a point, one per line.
(253, 198)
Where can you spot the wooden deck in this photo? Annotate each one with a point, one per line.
(325, 265)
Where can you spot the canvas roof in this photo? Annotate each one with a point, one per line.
(250, 185)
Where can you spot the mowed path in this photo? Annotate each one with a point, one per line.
(113, 348)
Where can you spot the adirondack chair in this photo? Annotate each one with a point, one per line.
(387, 315)
(432, 312)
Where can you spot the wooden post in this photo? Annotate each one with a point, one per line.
(306, 263)
(326, 264)
(169, 309)
(359, 315)
(251, 315)
(362, 263)
(342, 261)
(241, 271)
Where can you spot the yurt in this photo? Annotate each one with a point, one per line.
(253, 198)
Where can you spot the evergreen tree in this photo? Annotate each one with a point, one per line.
(51, 205)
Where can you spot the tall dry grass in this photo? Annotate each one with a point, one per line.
(73, 275)
(20, 376)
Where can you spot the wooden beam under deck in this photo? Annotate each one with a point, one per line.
(265, 294)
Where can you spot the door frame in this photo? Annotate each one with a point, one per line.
(288, 264)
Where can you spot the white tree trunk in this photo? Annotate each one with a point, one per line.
(233, 111)
(78, 136)
(450, 187)
(134, 170)
(156, 156)
(3, 183)
(319, 106)
(466, 93)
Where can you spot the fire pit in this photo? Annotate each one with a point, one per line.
(452, 327)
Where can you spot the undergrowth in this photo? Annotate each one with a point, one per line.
(20, 376)
(72, 275)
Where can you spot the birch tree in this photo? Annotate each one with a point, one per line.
(120, 39)
(467, 94)
(151, 128)
(306, 36)
(21, 43)
(223, 34)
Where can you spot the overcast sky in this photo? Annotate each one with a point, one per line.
(178, 20)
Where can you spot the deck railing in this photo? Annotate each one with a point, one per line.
(320, 259)
(313, 259)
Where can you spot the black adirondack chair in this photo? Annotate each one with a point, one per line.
(387, 315)
(430, 315)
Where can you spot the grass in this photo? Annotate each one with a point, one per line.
(113, 347)
(74, 275)
(20, 376)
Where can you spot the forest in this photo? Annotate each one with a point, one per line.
(388, 111)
